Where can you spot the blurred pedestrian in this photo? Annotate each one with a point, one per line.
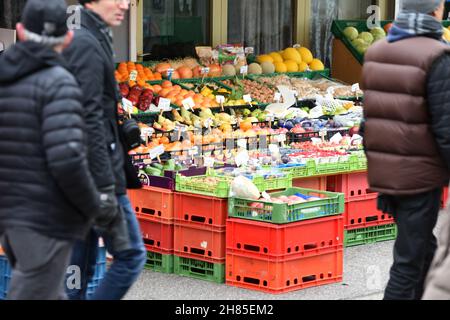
(91, 59)
(407, 136)
(48, 197)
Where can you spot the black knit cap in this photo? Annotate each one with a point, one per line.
(46, 17)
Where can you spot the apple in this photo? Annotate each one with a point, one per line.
(353, 131)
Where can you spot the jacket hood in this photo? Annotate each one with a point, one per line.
(25, 58)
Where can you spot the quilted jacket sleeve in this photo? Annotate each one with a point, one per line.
(65, 146)
(439, 103)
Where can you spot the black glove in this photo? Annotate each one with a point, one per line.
(109, 208)
(117, 233)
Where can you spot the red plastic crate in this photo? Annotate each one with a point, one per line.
(154, 203)
(352, 185)
(318, 183)
(305, 238)
(203, 211)
(362, 212)
(156, 235)
(281, 276)
(196, 242)
(444, 200)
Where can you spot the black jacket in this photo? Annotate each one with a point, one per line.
(90, 59)
(44, 178)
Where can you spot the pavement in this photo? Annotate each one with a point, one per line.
(366, 273)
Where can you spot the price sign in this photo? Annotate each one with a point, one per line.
(156, 152)
(247, 98)
(242, 158)
(147, 132)
(133, 75)
(244, 69)
(281, 138)
(249, 50)
(209, 162)
(220, 99)
(127, 105)
(277, 97)
(189, 103)
(274, 149)
(355, 87)
(193, 152)
(164, 104)
(204, 71)
(242, 143)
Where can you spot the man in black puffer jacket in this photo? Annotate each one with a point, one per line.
(48, 198)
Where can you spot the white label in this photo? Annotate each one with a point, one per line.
(242, 158)
(204, 244)
(266, 196)
(330, 91)
(270, 117)
(242, 143)
(329, 97)
(127, 105)
(208, 123)
(220, 99)
(170, 71)
(147, 132)
(249, 50)
(247, 98)
(156, 152)
(355, 87)
(273, 148)
(244, 69)
(133, 75)
(189, 103)
(193, 152)
(209, 162)
(277, 97)
(180, 128)
(336, 139)
(281, 138)
(204, 70)
(296, 46)
(164, 104)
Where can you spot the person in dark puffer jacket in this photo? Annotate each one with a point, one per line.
(406, 79)
(48, 198)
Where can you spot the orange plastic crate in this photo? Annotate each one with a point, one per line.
(203, 211)
(156, 235)
(278, 276)
(154, 203)
(362, 212)
(196, 242)
(353, 184)
(317, 183)
(305, 238)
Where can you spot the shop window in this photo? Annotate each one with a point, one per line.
(172, 28)
(266, 25)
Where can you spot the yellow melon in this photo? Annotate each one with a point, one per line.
(291, 66)
(446, 35)
(264, 58)
(316, 65)
(306, 55)
(302, 66)
(280, 67)
(292, 54)
(276, 57)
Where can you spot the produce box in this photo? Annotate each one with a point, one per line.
(198, 269)
(312, 204)
(159, 262)
(370, 235)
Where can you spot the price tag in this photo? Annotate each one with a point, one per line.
(355, 87)
(331, 91)
(220, 99)
(247, 98)
(270, 117)
(296, 46)
(208, 123)
(127, 105)
(244, 69)
(156, 152)
(249, 50)
(189, 103)
(281, 138)
(170, 72)
(242, 158)
(204, 70)
(277, 97)
(180, 128)
(133, 75)
(266, 196)
(193, 152)
(274, 149)
(242, 143)
(329, 97)
(147, 132)
(164, 104)
(209, 162)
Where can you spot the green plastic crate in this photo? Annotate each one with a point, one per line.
(358, 162)
(370, 235)
(339, 26)
(159, 262)
(331, 204)
(329, 168)
(197, 269)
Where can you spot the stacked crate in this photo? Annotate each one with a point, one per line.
(279, 248)
(364, 223)
(199, 241)
(154, 209)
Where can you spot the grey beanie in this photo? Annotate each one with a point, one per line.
(421, 6)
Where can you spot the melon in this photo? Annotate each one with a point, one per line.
(264, 58)
(367, 37)
(306, 55)
(268, 67)
(276, 57)
(229, 70)
(255, 68)
(280, 67)
(316, 65)
(292, 66)
(292, 54)
(303, 66)
(351, 33)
